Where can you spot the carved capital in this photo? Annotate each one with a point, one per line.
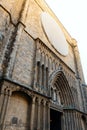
(33, 99)
(39, 101)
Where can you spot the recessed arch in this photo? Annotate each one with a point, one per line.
(18, 113)
(59, 80)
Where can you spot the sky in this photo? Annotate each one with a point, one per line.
(73, 16)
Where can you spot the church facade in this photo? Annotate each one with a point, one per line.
(42, 85)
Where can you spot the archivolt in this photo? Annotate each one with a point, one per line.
(58, 80)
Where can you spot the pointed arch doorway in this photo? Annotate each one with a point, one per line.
(61, 96)
(55, 120)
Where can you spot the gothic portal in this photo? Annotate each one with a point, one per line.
(42, 85)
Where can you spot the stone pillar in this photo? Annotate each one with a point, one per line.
(24, 12)
(1, 107)
(44, 114)
(1, 101)
(14, 52)
(80, 123)
(1, 53)
(32, 114)
(46, 80)
(4, 109)
(38, 118)
(78, 61)
(69, 122)
(35, 76)
(74, 119)
(17, 38)
(79, 74)
(45, 76)
(8, 96)
(62, 122)
(48, 115)
(38, 74)
(66, 120)
(40, 78)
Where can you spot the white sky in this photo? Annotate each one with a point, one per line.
(73, 15)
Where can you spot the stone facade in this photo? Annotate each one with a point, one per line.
(40, 89)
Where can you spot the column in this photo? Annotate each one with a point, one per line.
(38, 74)
(45, 76)
(43, 73)
(32, 114)
(1, 107)
(4, 109)
(77, 60)
(69, 123)
(24, 12)
(48, 115)
(74, 119)
(66, 127)
(16, 44)
(40, 77)
(35, 76)
(79, 72)
(38, 118)
(80, 122)
(44, 112)
(46, 80)
(62, 121)
(8, 96)
(1, 100)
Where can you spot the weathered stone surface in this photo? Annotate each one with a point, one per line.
(38, 85)
(24, 60)
(14, 8)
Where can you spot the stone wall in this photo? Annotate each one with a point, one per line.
(18, 112)
(30, 66)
